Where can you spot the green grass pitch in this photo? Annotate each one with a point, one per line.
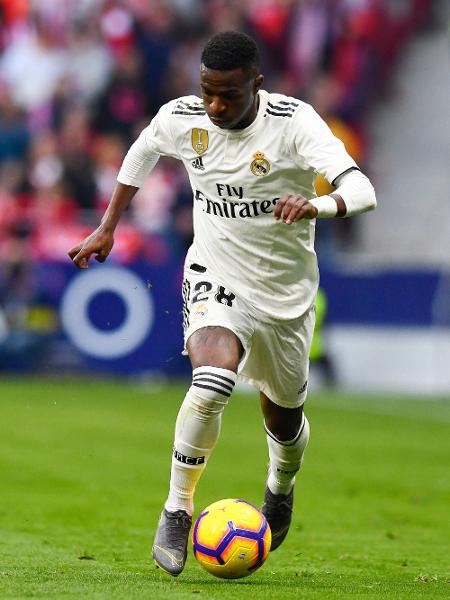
(84, 469)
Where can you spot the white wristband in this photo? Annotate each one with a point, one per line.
(326, 206)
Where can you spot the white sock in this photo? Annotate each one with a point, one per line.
(197, 429)
(286, 459)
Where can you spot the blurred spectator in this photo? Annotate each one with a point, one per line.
(117, 26)
(45, 166)
(75, 147)
(125, 100)
(14, 134)
(90, 63)
(155, 42)
(32, 65)
(107, 155)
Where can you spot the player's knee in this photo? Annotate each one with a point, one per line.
(282, 433)
(210, 390)
(284, 426)
(283, 423)
(217, 346)
(293, 436)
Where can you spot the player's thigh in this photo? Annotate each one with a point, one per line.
(278, 364)
(217, 323)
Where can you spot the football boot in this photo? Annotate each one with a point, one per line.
(277, 508)
(171, 540)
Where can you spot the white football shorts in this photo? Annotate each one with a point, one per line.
(276, 357)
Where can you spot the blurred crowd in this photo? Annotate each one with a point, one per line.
(79, 79)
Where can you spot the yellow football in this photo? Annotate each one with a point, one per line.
(231, 538)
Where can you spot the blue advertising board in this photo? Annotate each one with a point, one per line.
(126, 318)
(120, 318)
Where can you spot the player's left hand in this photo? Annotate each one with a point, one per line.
(292, 208)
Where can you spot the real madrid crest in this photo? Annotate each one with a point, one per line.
(199, 310)
(259, 166)
(200, 140)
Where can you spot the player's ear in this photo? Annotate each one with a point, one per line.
(258, 82)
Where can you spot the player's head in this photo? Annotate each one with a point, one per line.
(230, 79)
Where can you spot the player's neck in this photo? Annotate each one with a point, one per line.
(251, 115)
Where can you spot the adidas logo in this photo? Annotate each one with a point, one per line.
(197, 163)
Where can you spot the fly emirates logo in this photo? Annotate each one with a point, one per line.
(229, 203)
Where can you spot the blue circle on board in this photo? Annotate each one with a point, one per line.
(107, 310)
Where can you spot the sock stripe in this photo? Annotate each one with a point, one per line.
(210, 380)
(212, 374)
(212, 389)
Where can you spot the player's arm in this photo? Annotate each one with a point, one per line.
(141, 158)
(101, 241)
(138, 162)
(314, 146)
(354, 194)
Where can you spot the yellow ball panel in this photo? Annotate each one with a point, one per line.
(242, 550)
(244, 514)
(211, 531)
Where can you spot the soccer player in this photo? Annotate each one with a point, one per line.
(251, 276)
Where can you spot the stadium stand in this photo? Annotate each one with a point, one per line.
(80, 78)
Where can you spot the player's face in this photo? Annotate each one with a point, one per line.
(230, 97)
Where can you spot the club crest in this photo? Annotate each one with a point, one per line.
(198, 311)
(259, 166)
(200, 140)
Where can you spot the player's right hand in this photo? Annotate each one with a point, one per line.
(99, 243)
(294, 207)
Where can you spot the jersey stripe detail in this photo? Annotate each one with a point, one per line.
(185, 293)
(183, 108)
(281, 108)
(192, 114)
(290, 103)
(278, 114)
(192, 106)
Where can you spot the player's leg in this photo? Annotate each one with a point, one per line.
(287, 436)
(278, 365)
(214, 353)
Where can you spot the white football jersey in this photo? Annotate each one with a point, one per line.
(237, 176)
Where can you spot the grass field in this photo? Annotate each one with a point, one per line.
(84, 472)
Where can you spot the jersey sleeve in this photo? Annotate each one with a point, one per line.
(315, 146)
(154, 141)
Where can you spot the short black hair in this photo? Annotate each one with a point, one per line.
(229, 50)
